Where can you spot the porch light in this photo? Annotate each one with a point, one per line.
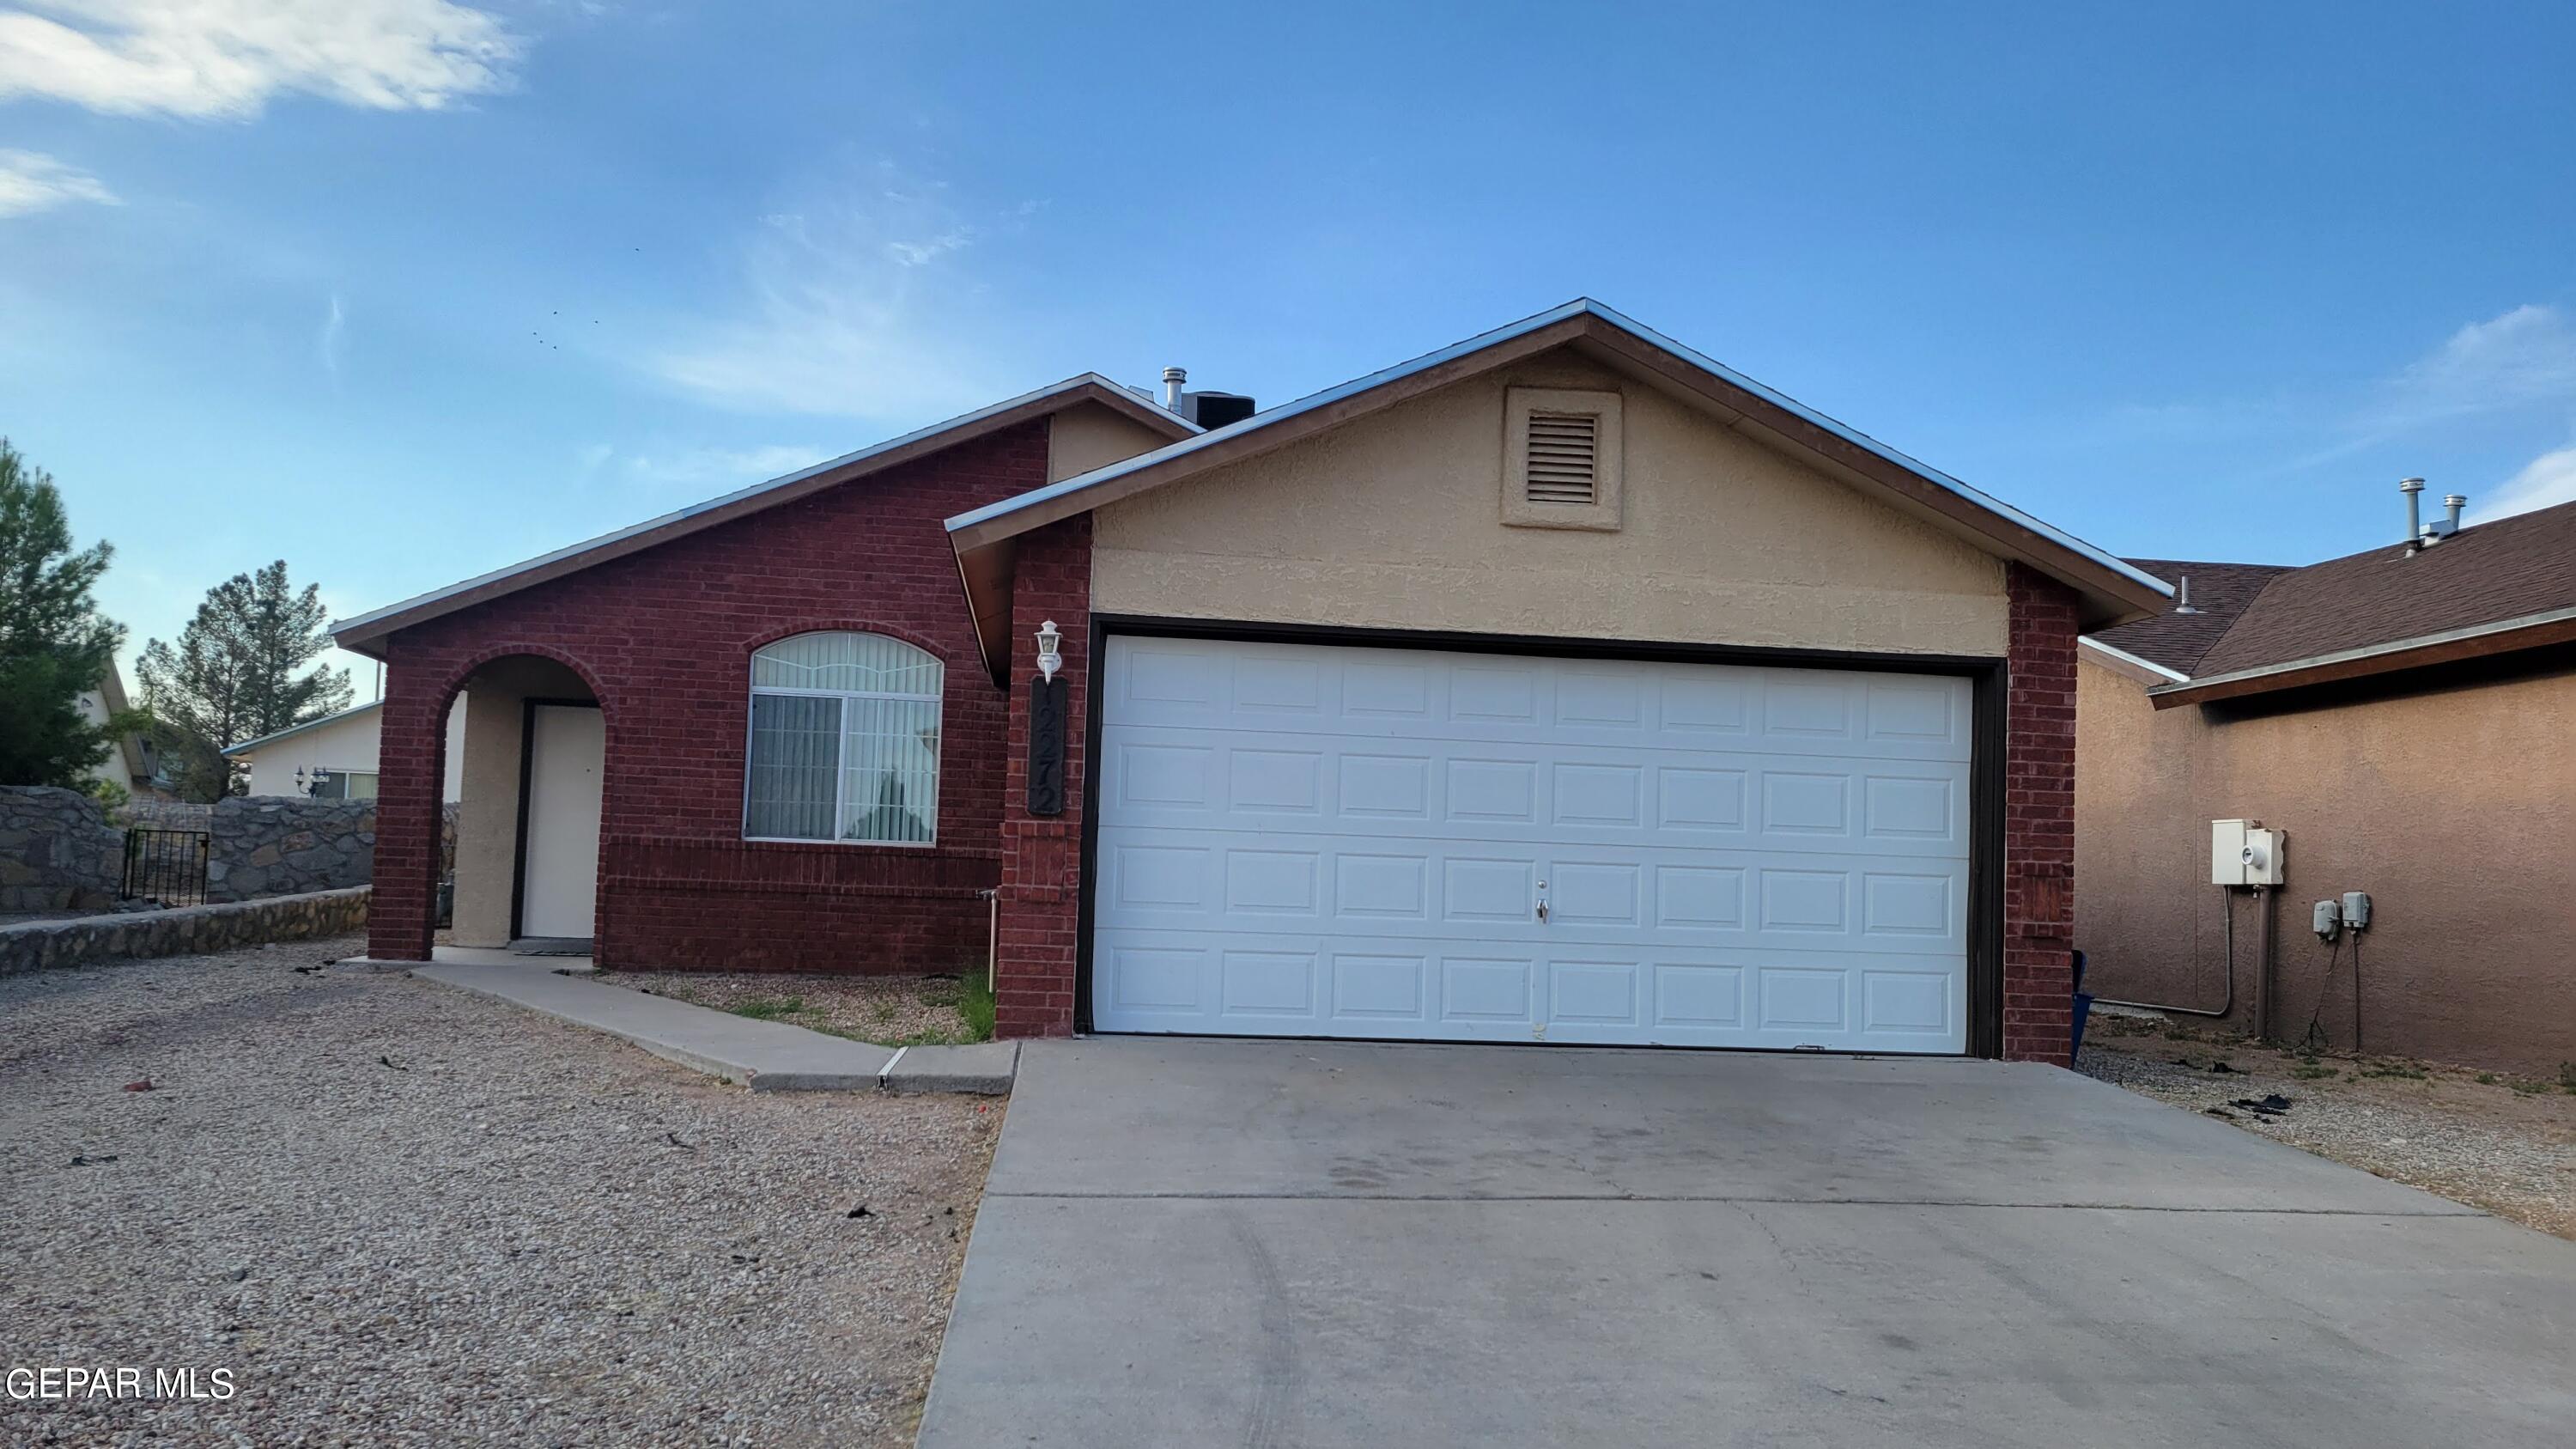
(1050, 651)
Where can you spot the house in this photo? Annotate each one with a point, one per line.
(2407, 715)
(335, 757)
(134, 765)
(1560, 685)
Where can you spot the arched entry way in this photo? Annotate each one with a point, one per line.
(527, 832)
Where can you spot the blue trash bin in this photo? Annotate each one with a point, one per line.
(2083, 1008)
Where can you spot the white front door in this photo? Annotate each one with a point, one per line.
(1308, 840)
(559, 866)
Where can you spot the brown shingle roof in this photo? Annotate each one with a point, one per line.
(2484, 574)
(2219, 593)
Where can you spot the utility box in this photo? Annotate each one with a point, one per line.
(2243, 853)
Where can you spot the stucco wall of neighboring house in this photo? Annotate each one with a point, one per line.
(1395, 521)
(1090, 436)
(114, 768)
(350, 743)
(2453, 806)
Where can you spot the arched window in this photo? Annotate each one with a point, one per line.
(844, 741)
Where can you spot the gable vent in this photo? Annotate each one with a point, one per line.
(1564, 458)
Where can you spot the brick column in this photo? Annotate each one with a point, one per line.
(1042, 858)
(401, 910)
(2039, 818)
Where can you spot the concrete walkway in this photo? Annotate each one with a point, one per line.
(1345, 1246)
(767, 1056)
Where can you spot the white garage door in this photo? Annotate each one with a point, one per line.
(1304, 840)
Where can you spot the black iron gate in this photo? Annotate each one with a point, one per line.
(168, 866)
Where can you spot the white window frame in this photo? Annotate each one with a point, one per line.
(317, 773)
(840, 801)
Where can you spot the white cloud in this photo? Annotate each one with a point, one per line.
(2547, 479)
(859, 306)
(332, 344)
(921, 253)
(2526, 355)
(31, 182)
(2517, 362)
(711, 470)
(227, 58)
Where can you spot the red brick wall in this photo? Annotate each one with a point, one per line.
(2039, 818)
(1042, 858)
(666, 636)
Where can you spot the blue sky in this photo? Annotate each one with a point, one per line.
(407, 290)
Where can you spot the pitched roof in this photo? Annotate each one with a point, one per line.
(2487, 589)
(2514, 566)
(2176, 641)
(361, 632)
(352, 711)
(2111, 587)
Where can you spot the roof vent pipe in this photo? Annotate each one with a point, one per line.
(2452, 503)
(2182, 595)
(1173, 377)
(2414, 512)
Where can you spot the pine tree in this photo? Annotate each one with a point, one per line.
(53, 644)
(239, 672)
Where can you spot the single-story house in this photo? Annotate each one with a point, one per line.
(2407, 716)
(1560, 685)
(134, 764)
(336, 757)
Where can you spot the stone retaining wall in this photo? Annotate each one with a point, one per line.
(164, 814)
(273, 845)
(186, 931)
(57, 851)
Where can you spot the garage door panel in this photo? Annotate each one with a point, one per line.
(1317, 841)
(1254, 779)
(1488, 989)
(1149, 981)
(1488, 889)
(1656, 741)
(1288, 984)
(1294, 688)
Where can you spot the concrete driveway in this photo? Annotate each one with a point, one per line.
(1288, 1244)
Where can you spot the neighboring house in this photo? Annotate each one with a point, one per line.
(2408, 716)
(134, 763)
(1558, 686)
(335, 757)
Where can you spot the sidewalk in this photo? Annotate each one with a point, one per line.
(766, 1056)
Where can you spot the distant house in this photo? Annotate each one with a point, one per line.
(134, 764)
(335, 757)
(2408, 715)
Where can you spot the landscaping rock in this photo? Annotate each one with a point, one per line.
(84, 940)
(497, 1245)
(57, 851)
(268, 845)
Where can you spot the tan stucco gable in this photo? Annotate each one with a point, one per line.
(1091, 435)
(1394, 520)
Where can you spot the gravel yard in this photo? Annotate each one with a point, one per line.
(890, 1010)
(2505, 1144)
(399, 1214)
